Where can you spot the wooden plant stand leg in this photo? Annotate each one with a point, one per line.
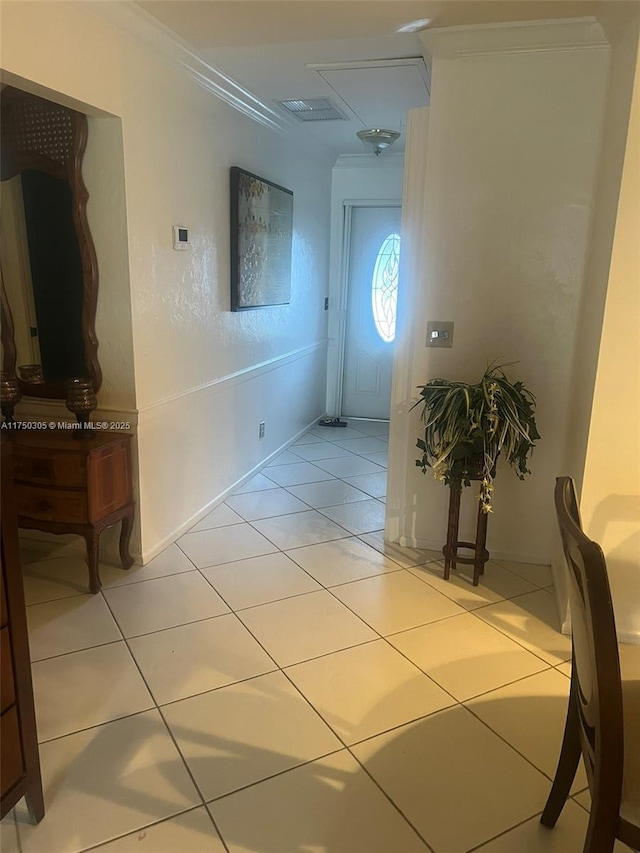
(450, 550)
(481, 554)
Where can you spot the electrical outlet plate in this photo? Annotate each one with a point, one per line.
(439, 334)
(261, 430)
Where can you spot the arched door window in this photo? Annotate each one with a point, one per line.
(384, 287)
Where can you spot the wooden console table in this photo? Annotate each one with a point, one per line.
(66, 484)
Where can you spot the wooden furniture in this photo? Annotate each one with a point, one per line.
(603, 718)
(450, 550)
(70, 485)
(19, 760)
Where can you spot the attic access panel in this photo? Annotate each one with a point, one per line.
(379, 93)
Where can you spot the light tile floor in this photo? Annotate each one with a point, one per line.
(281, 680)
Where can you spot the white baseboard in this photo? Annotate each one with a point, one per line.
(172, 537)
(559, 586)
(432, 545)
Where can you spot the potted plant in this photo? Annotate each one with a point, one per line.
(468, 426)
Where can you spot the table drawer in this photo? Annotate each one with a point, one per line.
(7, 686)
(49, 468)
(51, 504)
(11, 763)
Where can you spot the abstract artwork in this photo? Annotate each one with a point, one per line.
(261, 239)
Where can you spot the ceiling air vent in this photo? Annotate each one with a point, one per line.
(313, 109)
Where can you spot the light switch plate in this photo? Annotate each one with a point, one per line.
(439, 334)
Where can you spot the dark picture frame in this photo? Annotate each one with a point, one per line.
(261, 241)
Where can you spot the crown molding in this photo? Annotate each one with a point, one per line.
(387, 160)
(513, 37)
(135, 22)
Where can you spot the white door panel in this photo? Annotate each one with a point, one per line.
(368, 358)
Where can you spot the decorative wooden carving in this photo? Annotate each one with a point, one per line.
(39, 135)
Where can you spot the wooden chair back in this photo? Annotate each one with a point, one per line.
(596, 664)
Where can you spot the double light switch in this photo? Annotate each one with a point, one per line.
(439, 334)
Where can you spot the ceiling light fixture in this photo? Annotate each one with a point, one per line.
(377, 138)
(415, 26)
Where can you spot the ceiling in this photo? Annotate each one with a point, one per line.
(271, 46)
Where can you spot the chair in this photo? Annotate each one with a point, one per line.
(603, 717)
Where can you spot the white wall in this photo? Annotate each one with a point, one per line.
(204, 377)
(622, 28)
(103, 173)
(402, 437)
(356, 179)
(510, 168)
(610, 499)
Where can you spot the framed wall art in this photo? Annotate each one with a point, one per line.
(261, 238)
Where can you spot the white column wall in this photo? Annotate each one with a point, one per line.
(610, 499)
(510, 166)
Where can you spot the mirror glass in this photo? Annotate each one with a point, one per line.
(49, 272)
(42, 273)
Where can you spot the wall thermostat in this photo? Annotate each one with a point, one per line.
(180, 237)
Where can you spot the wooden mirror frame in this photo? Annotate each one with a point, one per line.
(44, 136)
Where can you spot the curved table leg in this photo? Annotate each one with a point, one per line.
(92, 538)
(125, 538)
(34, 798)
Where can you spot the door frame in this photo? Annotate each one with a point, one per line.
(335, 378)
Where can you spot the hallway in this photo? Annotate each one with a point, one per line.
(280, 680)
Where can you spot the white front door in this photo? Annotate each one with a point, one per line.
(374, 248)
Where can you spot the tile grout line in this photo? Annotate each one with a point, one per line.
(192, 777)
(282, 670)
(286, 770)
(157, 708)
(296, 594)
(299, 692)
(506, 568)
(279, 669)
(172, 737)
(179, 625)
(504, 740)
(324, 588)
(101, 844)
(501, 834)
(514, 639)
(392, 801)
(75, 651)
(419, 668)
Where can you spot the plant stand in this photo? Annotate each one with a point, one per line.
(450, 550)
